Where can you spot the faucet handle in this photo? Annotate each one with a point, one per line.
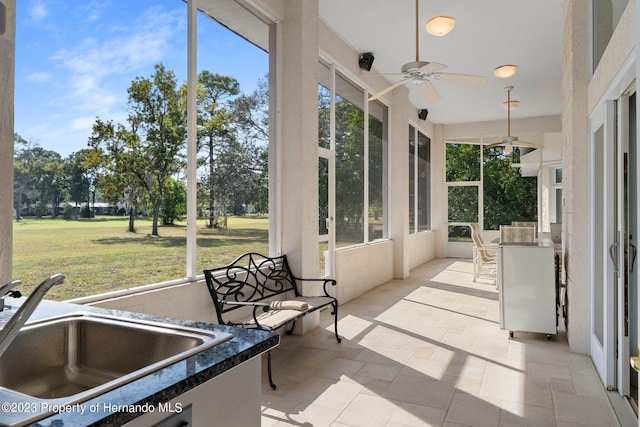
(14, 294)
(6, 289)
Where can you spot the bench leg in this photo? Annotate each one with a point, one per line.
(273, 386)
(335, 318)
(293, 325)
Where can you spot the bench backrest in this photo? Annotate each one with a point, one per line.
(252, 277)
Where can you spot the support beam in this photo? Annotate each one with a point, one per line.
(192, 142)
(7, 70)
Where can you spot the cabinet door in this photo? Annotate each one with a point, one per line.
(527, 299)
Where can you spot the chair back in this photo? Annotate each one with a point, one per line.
(476, 236)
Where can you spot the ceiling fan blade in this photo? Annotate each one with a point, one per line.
(388, 89)
(429, 92)
(494, 144)
(461, 78)
(432, 67)
(528, 144)
(383, 74)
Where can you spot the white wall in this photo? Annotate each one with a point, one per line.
(189, 301)
(361, 268)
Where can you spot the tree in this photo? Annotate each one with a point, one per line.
(140, 159)
(507, 195)
(22, 175)
(80, 178)
(349, 171)
(114, 153)
(38, 178)
(250, 119)
(251, 114)
(157, 114)
(214, 92)
(174, 203)
(233, 181)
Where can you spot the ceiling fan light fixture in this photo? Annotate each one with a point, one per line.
(508, 148)
(440, 25)
(505, 71)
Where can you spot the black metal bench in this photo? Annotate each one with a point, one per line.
(256, 291)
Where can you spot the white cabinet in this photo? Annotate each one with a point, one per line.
(526, 283)
(231, 399)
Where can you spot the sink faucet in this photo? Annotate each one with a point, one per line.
(7, 290)
(19, 318)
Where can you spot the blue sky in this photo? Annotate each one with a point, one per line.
(75, 61)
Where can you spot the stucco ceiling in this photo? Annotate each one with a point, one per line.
(487, 34)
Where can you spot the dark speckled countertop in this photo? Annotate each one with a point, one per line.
(159, 386)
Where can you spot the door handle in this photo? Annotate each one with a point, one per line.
(613, 254)
(634, 254)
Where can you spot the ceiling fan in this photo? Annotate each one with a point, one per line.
(511, 141)
(421, 73)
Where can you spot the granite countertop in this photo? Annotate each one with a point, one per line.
(157, 387)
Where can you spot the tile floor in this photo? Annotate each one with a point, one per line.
(428, 351)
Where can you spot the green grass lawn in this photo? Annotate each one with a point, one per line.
(99, 255)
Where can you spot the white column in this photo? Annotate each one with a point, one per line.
(297, 186)
(399, 182)
(575, 171)
(7, 65)
(192, 143)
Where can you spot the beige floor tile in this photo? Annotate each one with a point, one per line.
(340, 369)
(321, 416)
(409, 414)
(520, 414)
(471, 411)
(378, 371)
(420, 390)
(584, 410)
(428, 351)
(367, 410)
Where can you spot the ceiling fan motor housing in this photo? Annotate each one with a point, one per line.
(413, 67)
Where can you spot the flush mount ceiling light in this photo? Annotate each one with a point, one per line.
(440, 25)
(505, 71)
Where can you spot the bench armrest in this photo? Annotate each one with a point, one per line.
(256, 306)
(324, 282)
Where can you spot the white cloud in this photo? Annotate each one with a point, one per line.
(94, 64)
(38, 11)
(41, 77)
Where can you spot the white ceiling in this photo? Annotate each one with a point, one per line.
(488, 33)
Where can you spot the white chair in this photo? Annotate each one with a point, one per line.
(484, 255)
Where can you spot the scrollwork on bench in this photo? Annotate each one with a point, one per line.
(242, 290)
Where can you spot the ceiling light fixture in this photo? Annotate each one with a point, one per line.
(505, 71)
(514, 104)
(440, 25)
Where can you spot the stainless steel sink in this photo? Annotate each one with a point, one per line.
(81, 355)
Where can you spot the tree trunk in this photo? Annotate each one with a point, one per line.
(212, 214)
(19, 206)
(132, 217)
(156, 212)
